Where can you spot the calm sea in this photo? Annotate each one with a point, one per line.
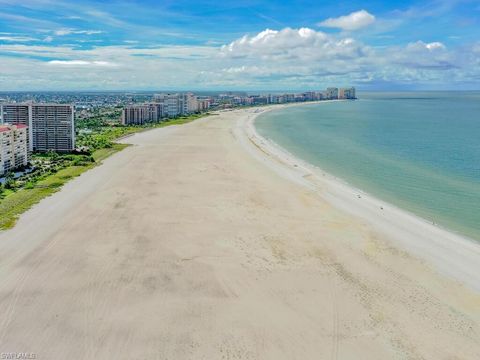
(418, 150)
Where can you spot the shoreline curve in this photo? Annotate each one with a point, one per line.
(451, 254)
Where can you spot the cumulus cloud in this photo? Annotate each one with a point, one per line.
(303, 43)
(354, 21)
(283, 58)
(305, 57)
(293, 57)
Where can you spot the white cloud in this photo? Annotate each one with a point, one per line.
(17, 38)
(80, 63)
(354, 21)
(293, 58)
(420, 46)
(63, 32)
(421, 55)
(68, 31)
(242, 69)
(287, 44)
(435, 46)
(283, 58)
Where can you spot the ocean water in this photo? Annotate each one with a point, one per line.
(417, 150)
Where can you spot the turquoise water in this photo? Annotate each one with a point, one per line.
(417, 150)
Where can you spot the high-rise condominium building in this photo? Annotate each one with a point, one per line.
(51, 126)
(141, 114)
(203, 103)
(192, 103)
(15, 113)
(331, 93)
(177, 104)
(173, 104)
(13, 147)
(346, 93)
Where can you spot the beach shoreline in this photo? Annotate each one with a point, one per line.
(438, 243)
(197, 243)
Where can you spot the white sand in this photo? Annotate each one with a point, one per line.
(451, 254)
(186, 246)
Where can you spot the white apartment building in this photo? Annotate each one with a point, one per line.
(17, 114)
(192, 103)
(173, 104)
(332, 93)
(177, 104)
(50, 126)
(13, 147)
(346, 93)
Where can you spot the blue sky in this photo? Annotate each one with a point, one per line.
(67, 45)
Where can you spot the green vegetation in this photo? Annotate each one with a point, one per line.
(53, 171)
(96, 136)
(98, 117)
(19, 201)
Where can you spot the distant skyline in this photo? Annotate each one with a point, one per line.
(239, 45)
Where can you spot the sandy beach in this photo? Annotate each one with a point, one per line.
(205, 241)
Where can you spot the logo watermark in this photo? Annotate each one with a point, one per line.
(17, 356)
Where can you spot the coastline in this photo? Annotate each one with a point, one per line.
(194, 243)
(415, 234)
(353, 142)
